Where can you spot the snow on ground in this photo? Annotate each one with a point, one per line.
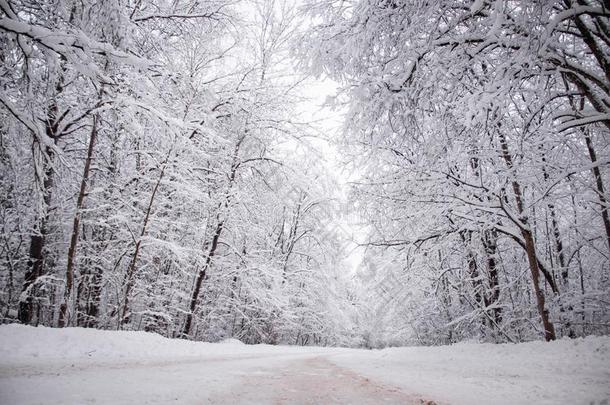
(26, 345)
(562, 372)
(79, 366)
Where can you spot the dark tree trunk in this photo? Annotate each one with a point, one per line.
(489, 241)
(36, 262)
(549, 329)
(599, 183)
(186, 331)
(199, 280)
(35, 265)
(530, 246)
(556, 232)
(63, 309)
(475, 278)
(94, 287)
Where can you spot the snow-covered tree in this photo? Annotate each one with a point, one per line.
(483, 130)
(153, 175)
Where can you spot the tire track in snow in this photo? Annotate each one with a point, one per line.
(315, 380)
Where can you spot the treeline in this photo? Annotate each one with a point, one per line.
(482, 131)
(155, 173)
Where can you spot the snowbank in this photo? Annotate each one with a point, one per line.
(21, 344)
(562, 372)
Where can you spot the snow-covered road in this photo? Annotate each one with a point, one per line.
(80, 366)
(308, 378)
(313, 380)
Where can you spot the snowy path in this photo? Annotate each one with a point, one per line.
(84, 366)
(262, 379)
(314, 380)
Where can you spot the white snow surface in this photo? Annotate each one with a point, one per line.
(79, 366)
(562, 372)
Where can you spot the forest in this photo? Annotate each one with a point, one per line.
(171, 166)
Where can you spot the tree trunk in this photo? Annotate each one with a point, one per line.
(129, 280)
(200, 277)
(556, 232)
(475, 278)
(530, 246)
(95, 272)
(549, 329)
(35, 265)
(186, 331)
(92, 308)
(63, 309)
(489, 241)
(292, 237)
(599, 183)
